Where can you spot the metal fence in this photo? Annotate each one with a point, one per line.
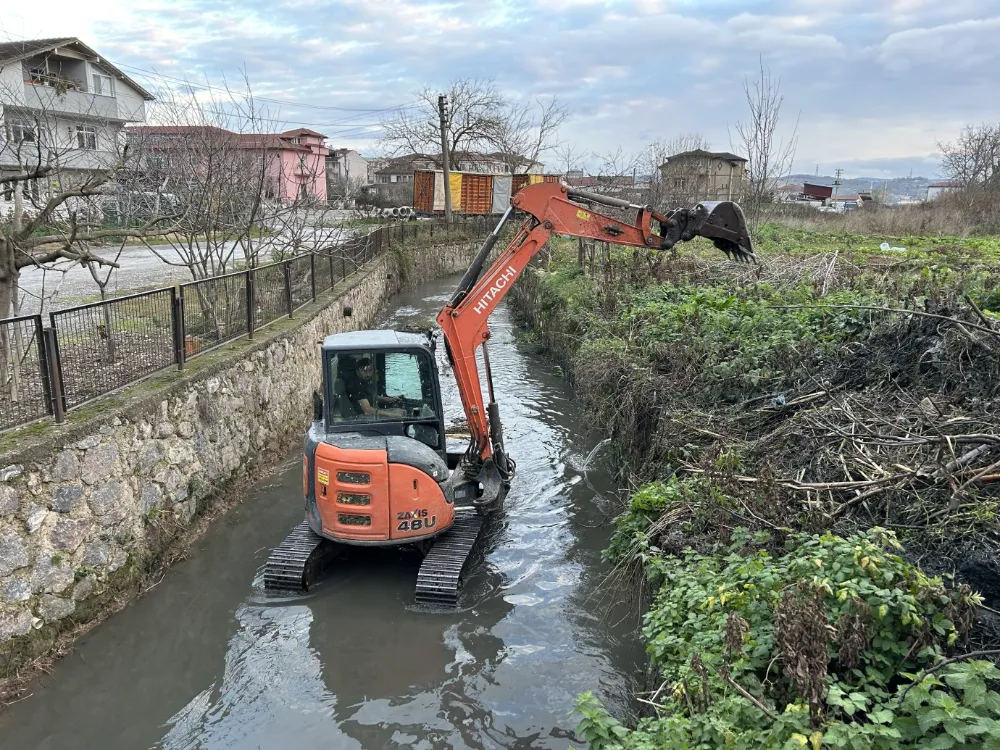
(103, 346)
(91, 350)
(24, 374)
(214, 311)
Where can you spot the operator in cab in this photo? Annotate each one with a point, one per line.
(362, 394)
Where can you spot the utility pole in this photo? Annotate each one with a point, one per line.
(836, 182)
(443, 117)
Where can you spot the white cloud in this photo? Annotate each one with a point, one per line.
(957, 46)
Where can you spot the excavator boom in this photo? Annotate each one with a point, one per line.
(553, 208)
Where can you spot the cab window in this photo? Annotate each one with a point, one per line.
(380, 386)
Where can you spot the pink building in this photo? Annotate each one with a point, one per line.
(298, 170)
(295, 161)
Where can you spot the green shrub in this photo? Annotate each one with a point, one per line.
(825, 637)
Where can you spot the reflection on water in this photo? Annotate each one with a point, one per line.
(205, 661)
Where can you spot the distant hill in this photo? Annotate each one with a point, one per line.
(899, 187)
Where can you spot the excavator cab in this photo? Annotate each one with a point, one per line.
(375, 467)
(383, 383)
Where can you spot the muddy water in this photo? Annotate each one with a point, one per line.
(203, 661)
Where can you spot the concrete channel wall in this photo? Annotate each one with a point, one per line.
(85, 507)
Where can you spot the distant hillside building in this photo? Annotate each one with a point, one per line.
(707, 175)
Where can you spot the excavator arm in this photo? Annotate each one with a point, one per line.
(552, 208)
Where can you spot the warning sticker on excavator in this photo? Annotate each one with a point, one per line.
(582, 215)
(323, 476)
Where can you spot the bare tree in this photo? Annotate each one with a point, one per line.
(975, 158)
(569, 157)
(669, 185)
(525, 131)
(230, 171)
(55, 182)
(973, 161)
(247, 192)
(769, 156)
(616, 171)
(475, 108)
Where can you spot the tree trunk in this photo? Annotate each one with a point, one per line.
(9, 276)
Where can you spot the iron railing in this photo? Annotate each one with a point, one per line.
(214, 311)
(270, 296)
(25, 394)
(104, 346)
(93, 349)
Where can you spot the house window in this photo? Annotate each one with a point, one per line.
(393, 178)
(22, 132)
(104, 85)
(302, 163)
(86, 137)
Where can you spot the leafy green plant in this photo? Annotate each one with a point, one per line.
(818, 645)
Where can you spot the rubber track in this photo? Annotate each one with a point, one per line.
(295, 563)
(441, 571)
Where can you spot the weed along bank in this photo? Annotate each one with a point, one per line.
(93, 509)
(811, 450)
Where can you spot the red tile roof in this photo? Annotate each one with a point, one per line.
(271, 141)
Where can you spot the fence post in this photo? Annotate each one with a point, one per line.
(312, 273)
(177, 319)
(288, 286)
(55, 373)
(251, 317)
(43, 363)
(332, 279)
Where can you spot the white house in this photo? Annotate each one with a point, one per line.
(346, 174)
(346, 164)
(64, 106)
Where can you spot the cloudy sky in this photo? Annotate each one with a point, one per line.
(874, 84)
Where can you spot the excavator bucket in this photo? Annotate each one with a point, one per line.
(723, 223)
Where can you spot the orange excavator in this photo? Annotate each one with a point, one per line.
(377, 469)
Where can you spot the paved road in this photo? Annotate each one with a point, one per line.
(70, 284)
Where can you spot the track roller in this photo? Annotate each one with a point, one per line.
(441, 571)
(295, 564)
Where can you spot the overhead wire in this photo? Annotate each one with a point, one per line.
(215, 89)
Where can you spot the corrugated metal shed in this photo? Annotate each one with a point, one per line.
(456, 191)
(501, 193)
(477, 193)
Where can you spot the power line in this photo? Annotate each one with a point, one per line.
(209, 87)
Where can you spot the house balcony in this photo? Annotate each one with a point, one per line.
(55, 102)
(62, 159)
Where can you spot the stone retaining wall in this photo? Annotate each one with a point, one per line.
(79, 502)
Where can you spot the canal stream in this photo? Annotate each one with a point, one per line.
(204, 661)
